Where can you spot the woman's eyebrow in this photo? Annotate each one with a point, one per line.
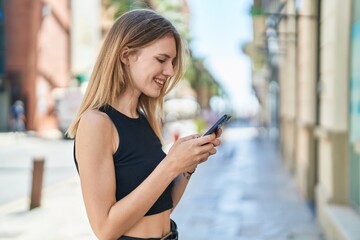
(165, 55)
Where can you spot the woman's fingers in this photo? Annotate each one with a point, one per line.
(195, 149)
(204, 139)
(213, 151)
(216, 142)
(218, 132)
(205, 156)
(193, 136)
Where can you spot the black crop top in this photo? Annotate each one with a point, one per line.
(138, 154)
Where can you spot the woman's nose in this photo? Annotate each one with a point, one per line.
(169, 70)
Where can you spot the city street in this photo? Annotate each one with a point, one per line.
(244, 193)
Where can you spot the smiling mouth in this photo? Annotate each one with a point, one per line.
(160, 82)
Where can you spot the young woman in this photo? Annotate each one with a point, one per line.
(129, 185)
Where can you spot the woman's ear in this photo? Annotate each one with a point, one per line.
(124, 55)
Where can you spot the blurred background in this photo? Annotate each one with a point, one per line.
(286, 70)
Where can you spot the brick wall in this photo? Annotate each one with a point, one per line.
(37, 55)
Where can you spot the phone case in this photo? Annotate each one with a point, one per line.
(218, 124)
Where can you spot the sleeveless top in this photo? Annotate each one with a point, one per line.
(138, 154)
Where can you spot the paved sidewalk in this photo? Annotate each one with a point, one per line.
(244, 193)
(61, 216)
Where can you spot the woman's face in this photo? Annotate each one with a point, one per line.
(152, 66)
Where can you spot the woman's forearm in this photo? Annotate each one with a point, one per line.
(178, 190)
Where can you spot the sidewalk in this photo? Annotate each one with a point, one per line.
(61, 216)
(244, 193)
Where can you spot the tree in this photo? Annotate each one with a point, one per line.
(122, 6)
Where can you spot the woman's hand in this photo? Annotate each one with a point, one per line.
(216, 142)
(188, 152)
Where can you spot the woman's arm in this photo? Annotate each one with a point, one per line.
(94, 149)
(183, 178)
(178, 190)
(94, 152)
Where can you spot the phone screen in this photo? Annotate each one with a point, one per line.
(218, 124)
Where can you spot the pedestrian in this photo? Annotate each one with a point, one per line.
(18, 116)
(129, 185)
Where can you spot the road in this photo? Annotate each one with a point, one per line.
(245, 193)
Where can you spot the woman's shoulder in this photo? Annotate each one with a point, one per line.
(93, 138)
(95, 120)
(94, 116)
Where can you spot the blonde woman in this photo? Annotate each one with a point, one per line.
(129, 185)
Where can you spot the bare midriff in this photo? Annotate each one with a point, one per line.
(153, 226)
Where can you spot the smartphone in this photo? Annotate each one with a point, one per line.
(218, 124)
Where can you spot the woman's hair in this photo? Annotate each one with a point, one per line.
(134, 29)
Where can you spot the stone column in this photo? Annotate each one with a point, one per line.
(306, 97)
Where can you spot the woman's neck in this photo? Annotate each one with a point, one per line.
(127, 104)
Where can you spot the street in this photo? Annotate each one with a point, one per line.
(244, 192)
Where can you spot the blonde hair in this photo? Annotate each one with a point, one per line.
(134, 29)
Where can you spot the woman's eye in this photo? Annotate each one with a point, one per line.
(161, 60)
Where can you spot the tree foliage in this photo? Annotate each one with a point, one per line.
(122, 6)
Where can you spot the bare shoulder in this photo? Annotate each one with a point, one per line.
(95, 127)
(93, 121)
(93, 137)
(94, 117)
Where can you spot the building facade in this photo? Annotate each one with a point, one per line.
(37, 59)
(47, 45)
(318, 49)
